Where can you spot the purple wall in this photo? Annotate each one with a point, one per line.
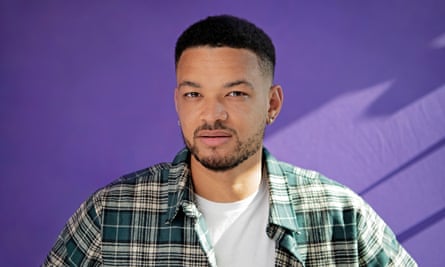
(86, 95)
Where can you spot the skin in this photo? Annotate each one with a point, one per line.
(224, 102)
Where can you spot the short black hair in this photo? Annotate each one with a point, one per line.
(228, 31)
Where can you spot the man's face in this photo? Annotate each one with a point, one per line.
(223, 100)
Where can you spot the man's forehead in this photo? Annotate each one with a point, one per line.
(227, 53)
(206, 49)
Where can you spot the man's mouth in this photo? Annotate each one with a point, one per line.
(213, 137)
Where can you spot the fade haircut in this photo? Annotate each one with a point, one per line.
(229, 31)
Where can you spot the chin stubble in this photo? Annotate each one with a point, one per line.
(241, 152)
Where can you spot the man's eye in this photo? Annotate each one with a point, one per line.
(192, 94)
(237, 93)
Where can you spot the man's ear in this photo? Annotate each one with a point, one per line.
(176, 95)
(275, 102)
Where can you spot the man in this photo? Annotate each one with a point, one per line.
(224, 200)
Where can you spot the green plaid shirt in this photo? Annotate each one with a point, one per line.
(149, 218)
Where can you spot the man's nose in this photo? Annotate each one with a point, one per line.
(214, 110)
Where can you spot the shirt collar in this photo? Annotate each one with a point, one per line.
(180, 186)
(282, 211)
(181, 193)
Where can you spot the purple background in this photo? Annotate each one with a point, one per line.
(87, 95)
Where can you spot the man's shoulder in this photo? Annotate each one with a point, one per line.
(309, 186)
(295, 175)
(155, 173)
(149, 180)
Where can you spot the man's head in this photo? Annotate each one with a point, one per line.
(224, 96)
(229, 31)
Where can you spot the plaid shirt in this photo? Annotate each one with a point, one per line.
(149, 218)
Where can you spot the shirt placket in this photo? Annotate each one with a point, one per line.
(201, 230)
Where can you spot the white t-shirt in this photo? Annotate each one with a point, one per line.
(238, 230)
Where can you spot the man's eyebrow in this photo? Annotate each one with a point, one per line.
(189, 84)
(238, 82)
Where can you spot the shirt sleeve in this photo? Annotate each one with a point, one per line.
(377, 244)
(79, 243)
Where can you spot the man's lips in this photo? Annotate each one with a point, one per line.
(214, 137)
(213, 133)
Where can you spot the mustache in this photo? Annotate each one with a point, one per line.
(218, 125)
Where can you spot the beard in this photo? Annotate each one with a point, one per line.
(240, 153)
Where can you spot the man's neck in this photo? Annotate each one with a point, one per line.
(227, 186)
